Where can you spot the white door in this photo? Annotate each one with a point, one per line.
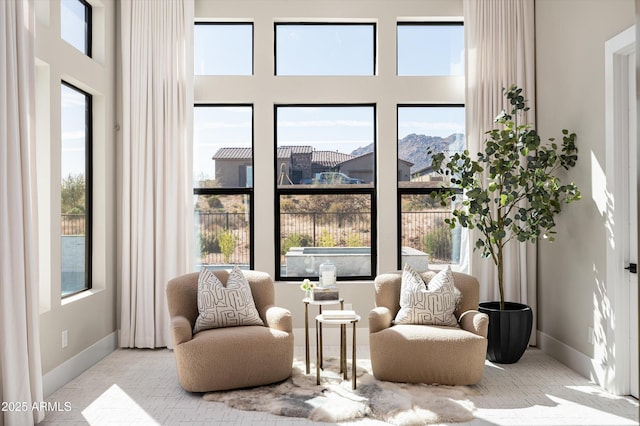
(633, 231)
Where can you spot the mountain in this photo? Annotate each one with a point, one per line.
(414, 148)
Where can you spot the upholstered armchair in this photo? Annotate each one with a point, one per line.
(229, 357)
(451, 355)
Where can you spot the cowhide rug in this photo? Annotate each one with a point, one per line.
(334, 400)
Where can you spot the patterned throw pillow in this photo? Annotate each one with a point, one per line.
(427, 305)
(220, 306)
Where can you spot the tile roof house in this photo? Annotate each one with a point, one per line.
(296, 164)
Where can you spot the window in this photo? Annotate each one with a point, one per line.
(325, 190)
(75, 197)
(422, 230)
(325, 49)
(75, 24)
(223, 49)
(223, 185)
(430, 49)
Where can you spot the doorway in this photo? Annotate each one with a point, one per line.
(622, 251)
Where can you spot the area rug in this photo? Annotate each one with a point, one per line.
(334, 400)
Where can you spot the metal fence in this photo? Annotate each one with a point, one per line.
(224, 238)
(428, 232)
(72, 224)
(345, 229)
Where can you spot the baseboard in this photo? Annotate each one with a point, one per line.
(73, 367)
(567, 355)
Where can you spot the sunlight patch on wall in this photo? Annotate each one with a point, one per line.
(599, 192)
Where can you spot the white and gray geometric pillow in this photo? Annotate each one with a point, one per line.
(220, 306)
(427, 305)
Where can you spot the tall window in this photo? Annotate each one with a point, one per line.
(424, 236)
(223, 185)
(430, 49)
(325, 49)
(75, 200)
(75, 24)
(223, 49)
(325, 190)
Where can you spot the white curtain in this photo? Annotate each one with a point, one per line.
(20, 365)
(499, 37)
(156, 221)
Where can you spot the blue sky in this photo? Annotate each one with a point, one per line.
(73, 131)
(323, 50)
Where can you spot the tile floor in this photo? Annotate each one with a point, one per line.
(140, 387)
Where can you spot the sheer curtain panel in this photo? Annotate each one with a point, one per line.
(499, 38)
(20, 366)
(156, 116)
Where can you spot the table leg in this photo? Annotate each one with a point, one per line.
(320, 325)
(353, 356)
(343, 350)
(306, 336)
(317, 355)
(343, 345)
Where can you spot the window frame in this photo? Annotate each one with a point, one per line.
(399, 24)
(292, 190)
(88, 272)
(276, 24)
(88, 21)
(249, 191)
(401, 191)
(233, 23)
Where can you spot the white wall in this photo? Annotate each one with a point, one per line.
(89, 317)
(572, 288)
(263, 90)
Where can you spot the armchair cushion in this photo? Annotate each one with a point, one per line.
(427, 305)
(220, 306)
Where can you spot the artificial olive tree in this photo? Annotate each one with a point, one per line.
(511, 191)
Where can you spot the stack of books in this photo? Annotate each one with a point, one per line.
(339, 315)
(321, 293)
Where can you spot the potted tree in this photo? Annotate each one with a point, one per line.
(510, 193)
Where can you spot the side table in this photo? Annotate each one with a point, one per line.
(320, 319)
(320, 303)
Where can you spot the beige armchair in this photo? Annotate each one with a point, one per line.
(232, 357)
(425, 353)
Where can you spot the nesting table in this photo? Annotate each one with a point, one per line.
(320, 319)
(320, 303)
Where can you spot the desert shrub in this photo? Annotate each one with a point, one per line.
(214, 202)
(295, 240)
(354, 240)
(208, 243)
(227, 241)
(327, 240)
(437, 241)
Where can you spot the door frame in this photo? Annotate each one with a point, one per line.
(614, 373)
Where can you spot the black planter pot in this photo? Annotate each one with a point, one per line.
(509, 330)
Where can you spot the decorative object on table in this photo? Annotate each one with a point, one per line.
(320, 293)
(327, 273)
(307, 286)
(334, 400)
(339, 314)
(512, 191)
